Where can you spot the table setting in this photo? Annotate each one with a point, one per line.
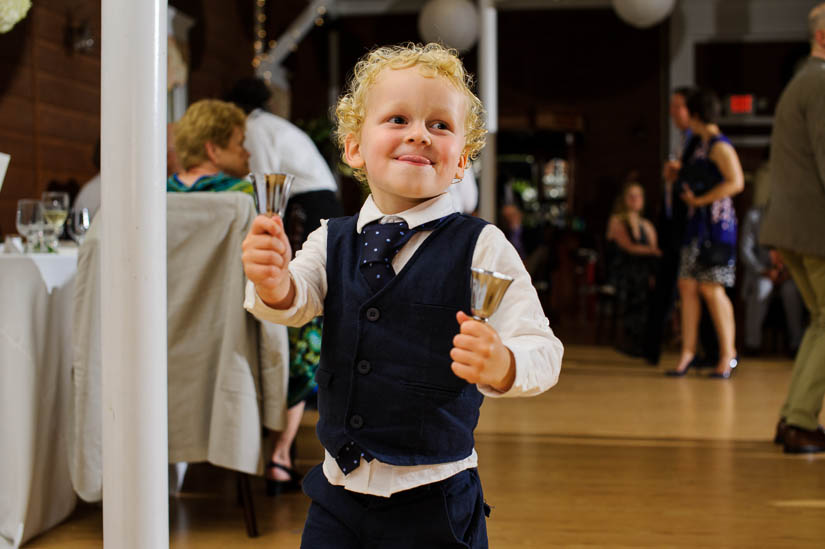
(37, 275)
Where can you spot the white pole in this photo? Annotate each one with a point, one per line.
(488, 88)
(133, 269)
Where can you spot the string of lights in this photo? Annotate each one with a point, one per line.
(263, 49)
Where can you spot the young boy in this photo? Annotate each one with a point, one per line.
(403, 369)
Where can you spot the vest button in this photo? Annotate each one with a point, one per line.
(373, 314)
(364, 367)
(356, 421)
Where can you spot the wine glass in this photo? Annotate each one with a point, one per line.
(78, 224)
(30, 222)
(276, 189)
(487, 291)
(55, 211)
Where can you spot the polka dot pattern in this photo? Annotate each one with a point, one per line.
(349, 457)
(381, 242)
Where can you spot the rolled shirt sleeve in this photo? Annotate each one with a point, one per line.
(309, 275)
(520, 320)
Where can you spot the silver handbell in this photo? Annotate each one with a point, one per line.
(276, 187)
(488, 290)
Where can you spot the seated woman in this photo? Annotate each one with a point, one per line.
(633, 239)
(209, 145)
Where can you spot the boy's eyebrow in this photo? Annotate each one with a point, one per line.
(436, 111)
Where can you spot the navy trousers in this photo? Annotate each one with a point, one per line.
(446, 514)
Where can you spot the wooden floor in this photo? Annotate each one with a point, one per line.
(616, 455)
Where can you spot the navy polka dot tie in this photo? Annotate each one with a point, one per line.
(349, 457)
(379, 244)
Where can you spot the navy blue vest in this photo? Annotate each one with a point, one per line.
(385, 380)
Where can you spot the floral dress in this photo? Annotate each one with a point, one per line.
(712, 224)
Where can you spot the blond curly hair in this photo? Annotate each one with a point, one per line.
(433, 60)
(208, 120)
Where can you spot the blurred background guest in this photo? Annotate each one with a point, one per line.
(711, 175)
(465, 193)
(671, 223)
(764, 276)
(209, 146)
(794, 223)
(511, 225)
(89, 195)
(278, 146)
(632, 243)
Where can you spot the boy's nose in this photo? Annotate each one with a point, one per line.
(418, 134)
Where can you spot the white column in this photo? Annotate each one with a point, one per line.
(133, 260)
(488, 90)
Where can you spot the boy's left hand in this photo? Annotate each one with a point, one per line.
(480, 357)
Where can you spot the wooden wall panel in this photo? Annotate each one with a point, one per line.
(50, 95)
(19, 182)
(68, 125)
(59, 156)
(60, 92)
(16, 115)
(57, 62)
(20, 146)
(49, 102)
(20, 81)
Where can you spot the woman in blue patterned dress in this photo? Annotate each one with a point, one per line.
(710, 175)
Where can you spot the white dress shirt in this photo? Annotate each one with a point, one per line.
(89, 197)
(519, 321)
(465, 193)
(276, 145)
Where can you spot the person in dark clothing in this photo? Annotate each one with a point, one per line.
(710, 177)
(633, 243)
(670, 230)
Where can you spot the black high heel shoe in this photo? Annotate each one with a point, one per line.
(275, 487)
(733, 363)
(681, 373)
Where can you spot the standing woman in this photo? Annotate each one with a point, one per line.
(711, 175)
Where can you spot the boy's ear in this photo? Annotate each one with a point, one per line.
(352, 152)
(462, 165)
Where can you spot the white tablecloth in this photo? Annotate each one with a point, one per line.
(36, 293)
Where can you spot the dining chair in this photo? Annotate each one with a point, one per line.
(227, 372)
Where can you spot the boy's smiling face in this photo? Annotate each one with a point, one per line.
(412, 139)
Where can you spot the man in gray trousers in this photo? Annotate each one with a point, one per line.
(794, 224)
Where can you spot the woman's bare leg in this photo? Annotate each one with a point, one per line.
(691, 309)
(721, 311)
(280, 454)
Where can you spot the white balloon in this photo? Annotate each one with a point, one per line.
(451, 22)
(643, 13)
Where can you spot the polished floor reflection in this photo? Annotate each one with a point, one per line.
(617, 455)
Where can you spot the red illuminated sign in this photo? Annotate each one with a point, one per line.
(740, 104)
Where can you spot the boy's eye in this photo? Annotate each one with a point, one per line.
(440, 125)
(396, 120)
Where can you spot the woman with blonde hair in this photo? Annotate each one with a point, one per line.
(632, 240)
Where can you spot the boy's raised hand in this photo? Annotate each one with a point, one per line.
(266, 255)
(480, 357)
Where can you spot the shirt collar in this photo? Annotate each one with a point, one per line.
(434, 208)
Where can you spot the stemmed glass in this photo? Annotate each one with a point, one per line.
(487, 291)
(30, 223)
(79, 222)
(276, 188)
(55, 211)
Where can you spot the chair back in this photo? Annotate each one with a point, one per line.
(227, 372)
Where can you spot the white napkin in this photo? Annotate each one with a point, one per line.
(56, 269)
